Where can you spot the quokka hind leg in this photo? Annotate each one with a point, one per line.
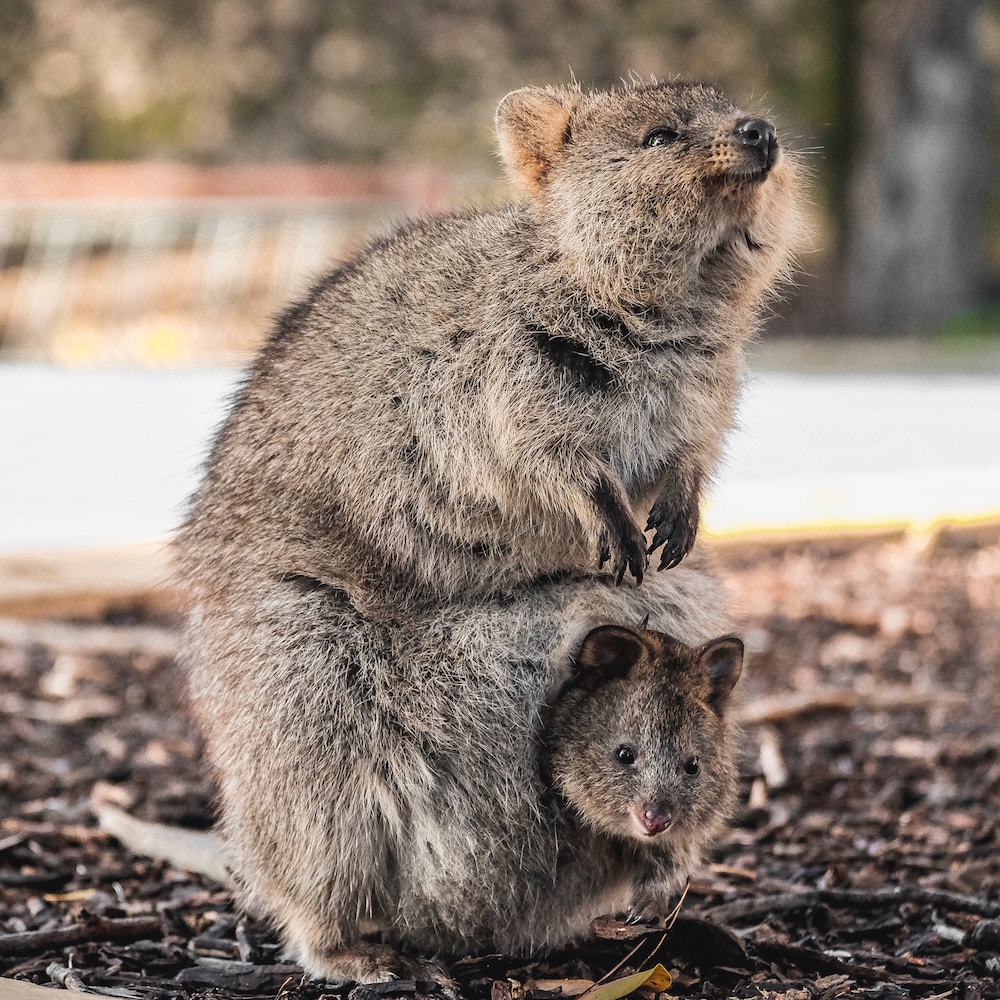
(361, 962)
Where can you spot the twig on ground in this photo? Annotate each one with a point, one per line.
(96, 929)
(66, 978)
(61, 713)
(73, 832)
(109, 639)
(764, 906)
(242, 977)
(789, 705)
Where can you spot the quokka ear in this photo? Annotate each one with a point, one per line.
(722, 660)
(607, 652)
(533, 128)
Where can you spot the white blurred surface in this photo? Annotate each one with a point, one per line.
(856, 450)
(109, 457)
(101, 457)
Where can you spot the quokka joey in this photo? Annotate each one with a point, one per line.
(489, 397)
(639, 748)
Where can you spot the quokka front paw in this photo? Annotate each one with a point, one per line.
(619, 539)
(651, 905)
(644, 910)
(627, 554)
(674, 521)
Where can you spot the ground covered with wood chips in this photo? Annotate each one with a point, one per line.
(864, 862)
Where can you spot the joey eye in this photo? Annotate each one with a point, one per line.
(661, 136)
(625, 755)
(692, 765)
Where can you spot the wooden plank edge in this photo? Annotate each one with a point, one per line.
(847, 535)
(18, 989)
(86, 582)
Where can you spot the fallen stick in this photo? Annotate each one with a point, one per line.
(61, 713)
(243, 977)
(98, 929)
(782, 707)
(66, 978)
(22, 828)
(764, 906)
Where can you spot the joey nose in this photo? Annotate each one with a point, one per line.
(759, 135)
(656, 818)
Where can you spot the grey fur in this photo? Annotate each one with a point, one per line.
(475, 405)
(487, 398)
(386, 776)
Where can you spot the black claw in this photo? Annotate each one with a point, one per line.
(676, 550)
(663, 532)
(674, 516)
(641, 913)
(636, 559)
(604, 556)
(670, 558)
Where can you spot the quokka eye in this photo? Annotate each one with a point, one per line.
(661, 136)
(625, 755)
(692, 765)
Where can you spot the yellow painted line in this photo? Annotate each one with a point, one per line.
(919, 500)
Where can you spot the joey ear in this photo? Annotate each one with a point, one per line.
(722, 660)
(609, 651)
(532, 127)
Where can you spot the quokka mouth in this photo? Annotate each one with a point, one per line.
(754, 169)
(752, 174)
(733, 243)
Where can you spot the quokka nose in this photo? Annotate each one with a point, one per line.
(760, 135)
(656, 818)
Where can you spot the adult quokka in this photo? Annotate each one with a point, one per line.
(486, 398)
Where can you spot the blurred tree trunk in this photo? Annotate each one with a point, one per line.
(912, 245)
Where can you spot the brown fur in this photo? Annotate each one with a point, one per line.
(662, 703)
(475, 405)
(488, 398)
(387, 777)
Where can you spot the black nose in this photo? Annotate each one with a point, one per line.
(759, 135)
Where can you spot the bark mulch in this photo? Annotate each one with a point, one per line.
(864, 862)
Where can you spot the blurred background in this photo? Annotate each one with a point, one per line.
(172, 171)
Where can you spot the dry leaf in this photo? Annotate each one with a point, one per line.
(567, 987)
(657, 979)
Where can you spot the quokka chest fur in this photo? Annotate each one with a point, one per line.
(486, 398)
